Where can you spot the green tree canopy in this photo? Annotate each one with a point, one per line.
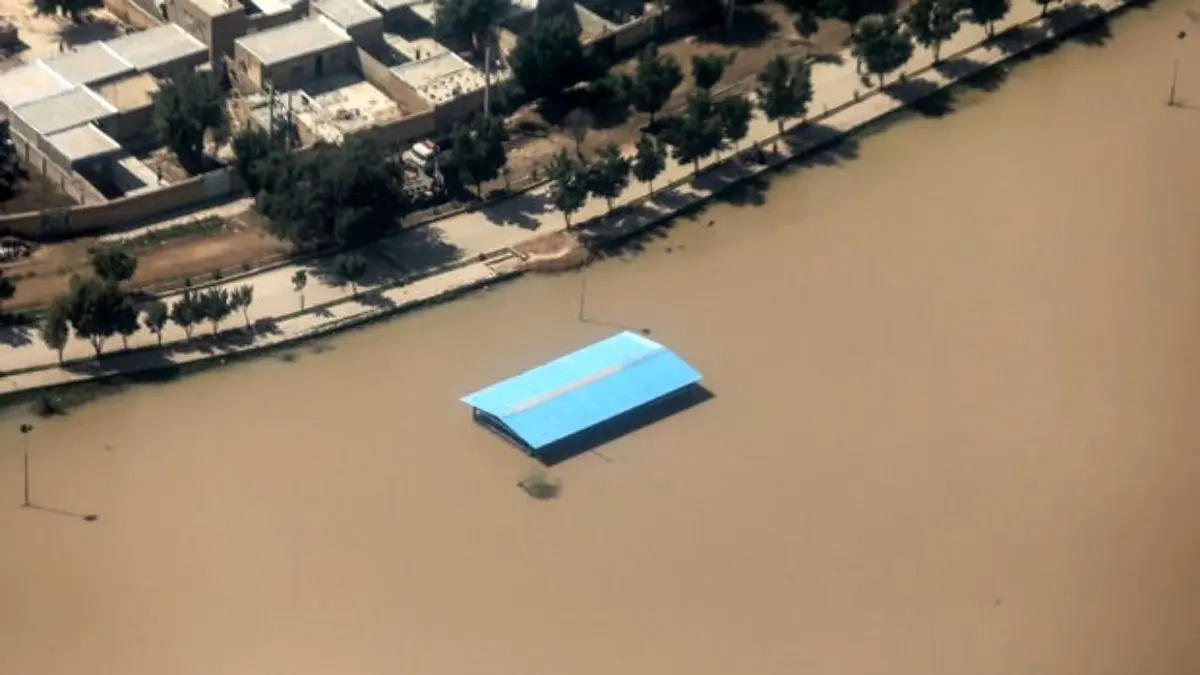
(94, 309)
(735, 111)
(569, 189)
(155, 318)
(468, 22)
(240, 299)
(884, 45)
(186, 313)
(8, 287)
(345, 195)
(655, 78)
(251, 147)
(784, 89)
(697, 133)
(477, 150)
(55, 328)
(75, 9)
(608, 174)
(549, 58)
(127, 321)
(845, 10)
(11, 173)
(1045, 4)
(299, 281)
(213, 306)
(932, 23)
(350, 268)
(113, 264)
(987, 12)
(185, 108)
(650, 160)
(707, 69)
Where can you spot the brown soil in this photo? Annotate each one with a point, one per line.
(557, 252)
(760, 32)
(241, 244)
(34, 194)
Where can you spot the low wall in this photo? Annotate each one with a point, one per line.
(123, 211)
(70, 183)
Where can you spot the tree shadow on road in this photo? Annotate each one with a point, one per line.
(922, 96)
(16, 335)
(522, 210)
(1085, 24)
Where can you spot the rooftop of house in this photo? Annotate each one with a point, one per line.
(30, 82)
(294, 40)
(271, 7)
(347, 13)
(158, 46)
(217, 7)
(91, 63)
(342, 104)
(441, 78)
(64, 110)
(83, 142)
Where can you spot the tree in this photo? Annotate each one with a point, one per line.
(250, 148)
(8, 287)
(331, 195)
(185, 108)
(805, 21)
(213, 306)
(477, 150)
(987, 12)
(75, 9)
(127, 321)
(155, 318)
(1045, 4)
(548, 57)
(11, 173)
(650, 160)
(655, 78)
(784, 89)
(469, 21)
(698, 132)
(240, 299)
(299, 281)
(569, 191)
(350, 268)
(55, 328)
(94, 309)
(185, 313)
(880, 44)
(933, 22)
(113, 264)
(736, 112)
(579, 122)
(608, 174)
(707, 69)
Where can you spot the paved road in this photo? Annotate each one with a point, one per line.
(522, 218)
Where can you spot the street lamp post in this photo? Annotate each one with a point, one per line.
(1175, 68)
(25, 430)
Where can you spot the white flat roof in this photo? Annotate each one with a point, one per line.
(441, 78)
(290, 41)
(389, 5)
(83, 142)
(89, 64)
(347, 13)
(70, 108)
(30, 82)
(148, 49)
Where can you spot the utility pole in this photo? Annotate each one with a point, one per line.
(25, 430)
(1175, 68)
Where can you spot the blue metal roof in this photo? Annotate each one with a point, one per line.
(584, 388)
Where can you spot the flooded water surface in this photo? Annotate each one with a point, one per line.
(953, 431)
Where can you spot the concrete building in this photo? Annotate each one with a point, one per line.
(292, 55)
(362, 22)
(442, 78)
(162, 51)
(216, 23)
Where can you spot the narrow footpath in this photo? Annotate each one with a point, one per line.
(473, 248)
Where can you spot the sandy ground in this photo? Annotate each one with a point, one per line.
(953, 432)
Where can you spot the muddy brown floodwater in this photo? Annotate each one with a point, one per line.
(954, 431)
